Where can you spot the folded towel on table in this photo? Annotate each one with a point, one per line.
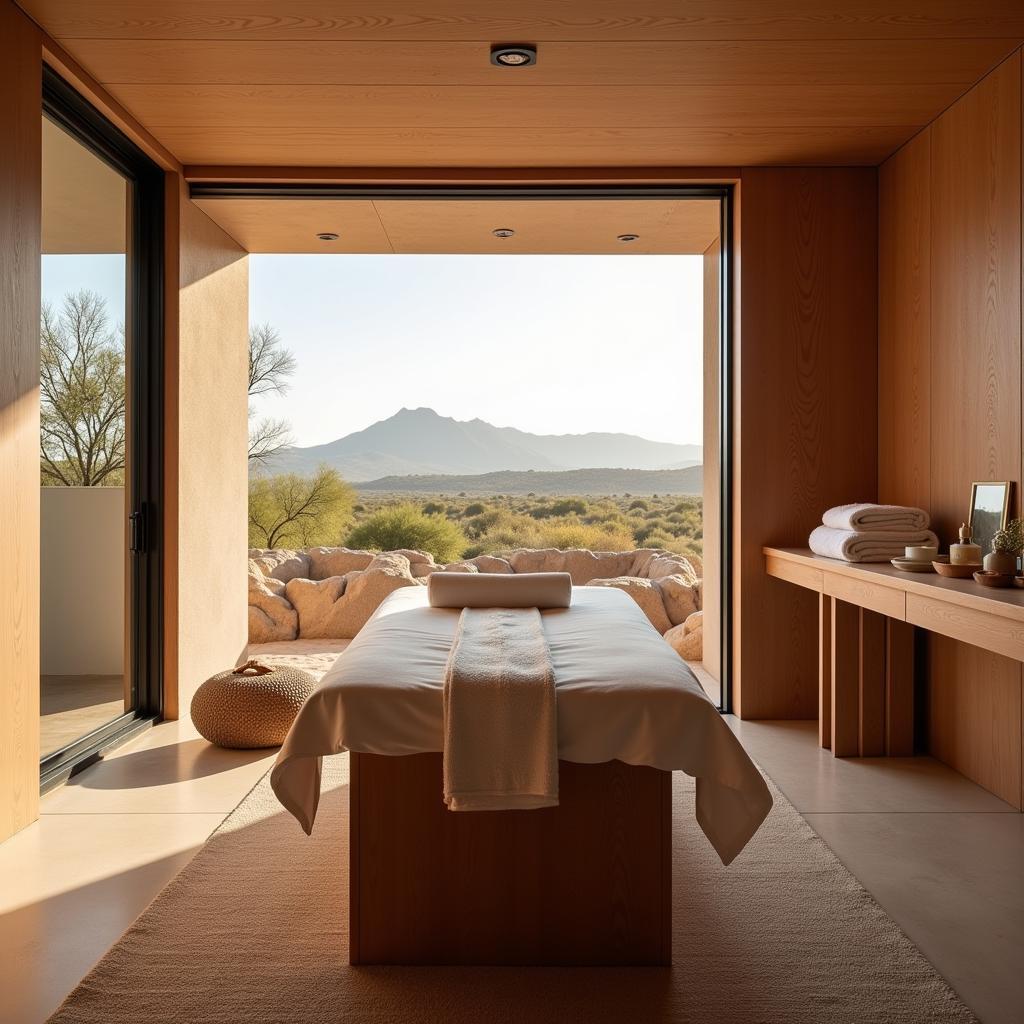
(500, 719)
(864, 516)
(494, 590)
(863, 546)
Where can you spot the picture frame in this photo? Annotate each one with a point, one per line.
(989, 510)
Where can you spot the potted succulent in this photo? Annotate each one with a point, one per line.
(1006, 547)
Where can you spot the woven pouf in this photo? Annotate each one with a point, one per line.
(251, 706)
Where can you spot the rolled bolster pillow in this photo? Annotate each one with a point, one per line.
(504, 590)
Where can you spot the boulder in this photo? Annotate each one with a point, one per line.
(536, 560)
(646, 594)
(460, 567)
(316, 602)
(679, 597)
(670, 565)
(328, 562)
(584, 565)
(338, 607)
(281, 563)
(271, 615)
(698, 564)
(490, 563)
(641, 560)
(687, 643)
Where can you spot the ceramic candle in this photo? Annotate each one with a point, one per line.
(966, 552)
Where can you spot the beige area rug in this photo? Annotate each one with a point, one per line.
(254, 930)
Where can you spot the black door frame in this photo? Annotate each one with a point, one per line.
(145, 328)
(723, 192)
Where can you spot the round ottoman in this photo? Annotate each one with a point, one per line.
(251, 706)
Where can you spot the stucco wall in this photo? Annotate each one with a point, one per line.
(208, 445)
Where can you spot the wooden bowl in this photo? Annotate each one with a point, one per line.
(994, 579)
(956, 572)
(1018, 581)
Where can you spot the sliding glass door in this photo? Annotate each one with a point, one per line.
(100, 415)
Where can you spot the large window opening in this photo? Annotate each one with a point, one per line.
(497, 383)
(99, 441)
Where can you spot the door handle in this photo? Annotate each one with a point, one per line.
(137, 533)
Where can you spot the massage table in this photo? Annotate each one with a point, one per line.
(586, 882)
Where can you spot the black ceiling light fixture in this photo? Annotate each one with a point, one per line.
(515, 55)
(327, 236)
(503, 232)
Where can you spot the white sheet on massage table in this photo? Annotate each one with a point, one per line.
(623, 694)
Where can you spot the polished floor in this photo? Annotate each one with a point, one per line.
(940, 854)
(71, 706)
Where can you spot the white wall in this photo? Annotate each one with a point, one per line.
(82, 570)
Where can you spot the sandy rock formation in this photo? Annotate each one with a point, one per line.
(338, 607)
(328, 562)
(271, 615)
(646, 594)
(281, 563)
(679, 597)
(687, 639)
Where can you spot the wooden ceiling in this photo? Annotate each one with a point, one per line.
(568, 226)
(653, 83)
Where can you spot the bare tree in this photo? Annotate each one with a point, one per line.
(271, 366)
(267, 438)
(82, 394)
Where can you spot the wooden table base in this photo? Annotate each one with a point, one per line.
(587, 882)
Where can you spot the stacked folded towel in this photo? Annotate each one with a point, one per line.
(870, 533)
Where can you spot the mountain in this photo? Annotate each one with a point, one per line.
(573, 481)
(419, 441)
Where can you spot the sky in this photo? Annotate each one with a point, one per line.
(548, 344)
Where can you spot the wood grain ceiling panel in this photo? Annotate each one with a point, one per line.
(497, 147)
(785, 62)
(618, 83)
(513, 107)
(566, 226)
(277, 225)
(528, 20)
(467, 226)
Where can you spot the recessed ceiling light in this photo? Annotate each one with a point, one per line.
(503, 232)
(627, 238)
(520, 55)
(327, 236)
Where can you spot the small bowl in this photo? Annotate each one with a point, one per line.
(957, 572)
(922, 553)
(994, 579)
(1018, 581)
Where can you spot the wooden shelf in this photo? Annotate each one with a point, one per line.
(987, 618)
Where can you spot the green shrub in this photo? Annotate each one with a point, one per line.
(638, 503)
(433, 508)
(289, 510)
(405, 526)
(476, 508)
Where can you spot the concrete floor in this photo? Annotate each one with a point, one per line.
(940, 854)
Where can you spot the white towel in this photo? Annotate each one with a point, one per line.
(500, 719)
(864, 516)
(876, 546)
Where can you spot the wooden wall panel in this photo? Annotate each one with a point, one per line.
(950, 378)
(975, 293)
(20, 205)
(806, 394)
(974, 715)
(904, 325)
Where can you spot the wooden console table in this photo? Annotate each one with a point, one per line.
(866, 615)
